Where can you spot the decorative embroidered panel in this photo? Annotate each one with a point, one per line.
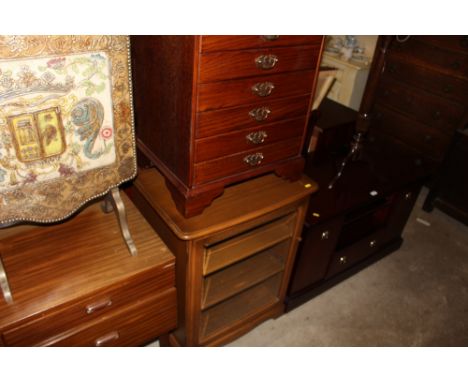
(66, 123)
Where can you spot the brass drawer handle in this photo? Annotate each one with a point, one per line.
(373, 243)
(253, 159)
(266, 61)
(257, 137)
(271, 37)
(95, 306)
(343, 260)
(263, 89)
(112, 336)
(325, 235)
(260, 113)
(408, 195)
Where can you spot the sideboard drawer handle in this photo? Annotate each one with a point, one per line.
(373, 243)
(257, 137)
(260, 113)
(271, 37)
(253, 159)
(343, 260)
(112, 336)
(408, 195)
(95, 306)
(266, 61)
(263, 89)
(325, 235)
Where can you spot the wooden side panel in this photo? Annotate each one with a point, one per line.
(163, 75)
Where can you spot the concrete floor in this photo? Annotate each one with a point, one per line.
(416, 296)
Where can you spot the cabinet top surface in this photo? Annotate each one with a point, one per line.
(239, 203)
(51, 265)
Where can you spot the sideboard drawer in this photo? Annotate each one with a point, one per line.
(226, 144)
(132, 325)
(87, 310)
(258, 114)
(217, 43)
(247, 63)
(219, 95)
(245, 161)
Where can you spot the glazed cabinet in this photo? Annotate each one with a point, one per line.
(234, 259)
(215, 110)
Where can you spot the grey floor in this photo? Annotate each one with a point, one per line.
(416, 296)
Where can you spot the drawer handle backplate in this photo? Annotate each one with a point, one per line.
(260, 113)
(253, 159)
(266, 61)
(263, 89)
(112, 336)
(257, 137)
(95, 306)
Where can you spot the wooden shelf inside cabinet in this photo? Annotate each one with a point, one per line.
(234, 260)
(78, 277)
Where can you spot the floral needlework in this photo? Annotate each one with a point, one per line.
(60, 120)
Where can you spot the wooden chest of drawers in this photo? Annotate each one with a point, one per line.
(76, 284)
(214, 110)
(234, 259)
(422, 92)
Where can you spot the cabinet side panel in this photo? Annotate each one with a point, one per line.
(163, 76)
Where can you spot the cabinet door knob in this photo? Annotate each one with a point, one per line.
(325, 235)
(253, 159)
(112, 336)
(263, 89)
(343, 260)
(373, 243)
(257, 137)
(266, 61)
(271, 37)
(260, 113)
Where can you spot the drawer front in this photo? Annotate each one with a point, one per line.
(219, 95)
(218, 43)
(351, 255)
(427, 108)
(427, 140)
(248, 63)
(255, 115)
(456, 43)
(227, 144)
(246, 161)
(87, 310)
(435, 82)
(132, 325)
(449, 62)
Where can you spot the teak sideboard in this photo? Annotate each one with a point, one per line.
(215, 110)
(76, 284)
(233, 261)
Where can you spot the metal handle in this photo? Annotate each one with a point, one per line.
(112, 336)
(266, 61)
(256, 137)
(373, 243)
(325, 235)
(260, 113)
(408, 195)
(343, 260)
(253, 159)
(271, 37)
(263, 89)
(95, 306)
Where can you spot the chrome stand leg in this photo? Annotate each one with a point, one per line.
(5, 285)
(119, 209)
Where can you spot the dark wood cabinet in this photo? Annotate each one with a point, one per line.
(233, 260)
(215, 110)
(422, 92)
(76, 284)
(359, 220)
